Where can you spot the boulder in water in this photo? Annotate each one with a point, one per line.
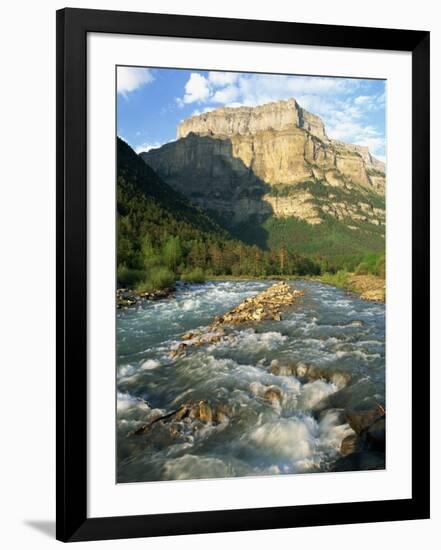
(282, 370)
(374, 437)
(360, 420)
(359, 461)
(265, 305)
(273, 394)
(205, 414)
(349, 444)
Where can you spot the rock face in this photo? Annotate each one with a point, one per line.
(275, 159)
(229, 122)
(206, 171)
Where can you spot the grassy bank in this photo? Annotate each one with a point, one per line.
(339, 279)
(257, 278)
(368, 286)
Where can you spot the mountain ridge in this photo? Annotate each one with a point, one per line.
(276, 115)
(275, 161)
(162, 237)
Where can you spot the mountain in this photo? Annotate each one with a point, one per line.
(270, 174)
(162, 236)
(137, 179)
(150, 209)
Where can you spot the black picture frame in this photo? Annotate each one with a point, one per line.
(71, 510)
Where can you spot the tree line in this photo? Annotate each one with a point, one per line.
(155, 248)
(162, 237)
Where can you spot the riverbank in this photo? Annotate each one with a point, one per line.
(126, 297)
(369, 287)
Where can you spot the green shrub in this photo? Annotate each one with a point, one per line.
(373, 264)
(381, 266)
(129, 277)
(339, 279)
(158, 278)
(363, 268)
(196, 275)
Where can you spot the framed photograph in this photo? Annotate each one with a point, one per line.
(242, 275)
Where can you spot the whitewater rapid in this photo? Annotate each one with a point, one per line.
(302, 432)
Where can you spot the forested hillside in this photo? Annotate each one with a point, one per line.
(163, 237)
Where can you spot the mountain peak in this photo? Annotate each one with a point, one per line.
(273, 161)
(277, 115)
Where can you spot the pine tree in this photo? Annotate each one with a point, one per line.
(172, 253)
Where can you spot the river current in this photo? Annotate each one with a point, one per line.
(302, 432)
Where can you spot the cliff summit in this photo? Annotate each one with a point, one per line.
(230, 121)
(273, 160)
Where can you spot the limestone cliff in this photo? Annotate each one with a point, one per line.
(227, 122)
(275, 159)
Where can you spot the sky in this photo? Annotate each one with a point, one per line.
(152, 101)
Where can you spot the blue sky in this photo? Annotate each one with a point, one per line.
(151, 102)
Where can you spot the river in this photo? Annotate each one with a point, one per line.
(301, 433)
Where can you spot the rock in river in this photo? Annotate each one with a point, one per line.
(266, 305)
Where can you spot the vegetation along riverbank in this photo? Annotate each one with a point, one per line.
(163, 238)
(368, 286)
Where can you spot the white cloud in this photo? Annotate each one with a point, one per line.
(132, 78)
(318, 85)
(348, 130)
(200, 111)
(234, 104)
(376, 145)
(144, 147)
(226, 95)
(196, 89)
(220, 78)
(256, 89)
(361, 99)
(319, 105)
(348, 119)
(371, 102)
(359, 134)
(338, 101)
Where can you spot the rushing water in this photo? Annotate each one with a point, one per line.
(327, 327)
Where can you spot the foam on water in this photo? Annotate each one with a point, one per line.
(299, 444)
(314, 392)
(252, 341)
(150, 364)
(194, 467)
(263, 433)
